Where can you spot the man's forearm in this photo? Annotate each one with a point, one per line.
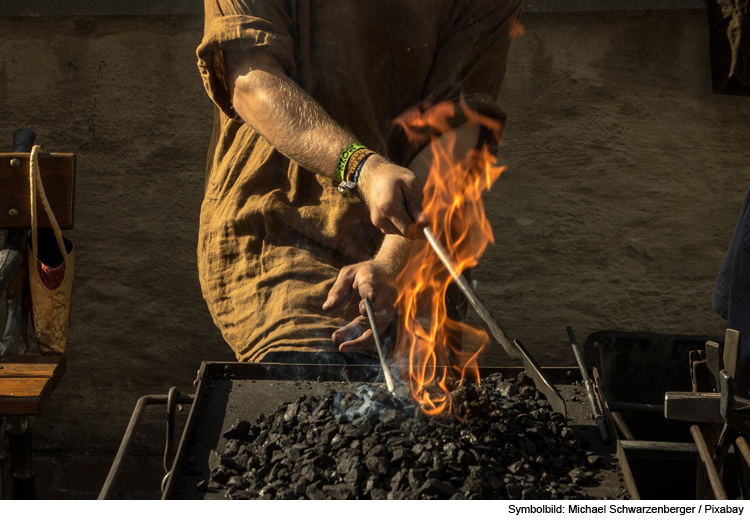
(278, 109)
(296, 125)
(393, 253)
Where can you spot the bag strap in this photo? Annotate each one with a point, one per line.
(36, 186)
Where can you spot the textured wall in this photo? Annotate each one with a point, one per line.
(125, 96)
(626, 178)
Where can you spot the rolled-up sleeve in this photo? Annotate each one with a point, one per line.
(261, 25)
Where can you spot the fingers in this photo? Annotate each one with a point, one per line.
(383, 315)
(350, 332)
(402, 221)
(366, 340)
(382, 222)
(354, 336)
(340, 289)
(394, 197)
(365, 284)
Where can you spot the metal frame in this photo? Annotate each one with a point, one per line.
(272, 371)
(172, 400)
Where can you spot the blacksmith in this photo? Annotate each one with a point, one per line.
(306, 95)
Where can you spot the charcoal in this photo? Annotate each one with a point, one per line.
(243, 495)
(221, 474)
(416, 478)
(378, 494)
(340, 491)
(439, 488)
(502, 440)
(239, 430)
(578, 476)
(315, 492)
(377, 465)
(371, 483)
(355, 475)
(399, 481)
(465, 458)
(594, 461)
(214, 460)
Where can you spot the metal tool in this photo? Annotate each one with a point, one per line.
(598, 417)
(735, 411)
(379, 344)
(705, 456)
(515, 350)
(463, 285)
(542, 384)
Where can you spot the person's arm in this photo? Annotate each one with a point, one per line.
(373, 279)
(296, 125)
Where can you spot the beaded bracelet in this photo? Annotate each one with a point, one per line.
(344, 159)
(354, 157)
(356, 162)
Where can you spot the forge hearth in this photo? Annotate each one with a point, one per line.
(266, 438)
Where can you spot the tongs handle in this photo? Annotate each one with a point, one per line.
(379, 344)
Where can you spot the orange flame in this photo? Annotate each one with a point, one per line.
(517, 30)
(429, 341)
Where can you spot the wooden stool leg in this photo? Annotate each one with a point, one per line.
(21, 466)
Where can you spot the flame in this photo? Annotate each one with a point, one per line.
(429, 341)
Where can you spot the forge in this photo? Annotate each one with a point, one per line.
(253, 434)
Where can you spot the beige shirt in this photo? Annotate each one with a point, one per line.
(273, 235)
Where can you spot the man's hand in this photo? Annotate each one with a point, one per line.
(393, 195)
(373, 281)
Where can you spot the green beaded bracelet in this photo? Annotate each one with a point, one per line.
(344, 159)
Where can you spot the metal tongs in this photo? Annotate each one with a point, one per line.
(463, 285)
(379, 345)
(515, 350)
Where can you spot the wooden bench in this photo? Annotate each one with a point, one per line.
(27, 381)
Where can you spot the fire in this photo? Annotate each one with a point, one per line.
(429, 341)
(517, 30)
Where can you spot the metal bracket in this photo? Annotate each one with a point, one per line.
(173, 399)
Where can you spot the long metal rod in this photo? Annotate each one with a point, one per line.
(622, 426)
(379, 344)
(635, 407)
(598, 417)
(127, 440)
(713, 475)
(463, 285)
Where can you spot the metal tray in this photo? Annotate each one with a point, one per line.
(228, 391)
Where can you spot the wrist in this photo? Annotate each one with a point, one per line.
(373, 163)
(393, 254)
(349, 165)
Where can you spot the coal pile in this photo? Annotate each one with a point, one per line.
(362, 443)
